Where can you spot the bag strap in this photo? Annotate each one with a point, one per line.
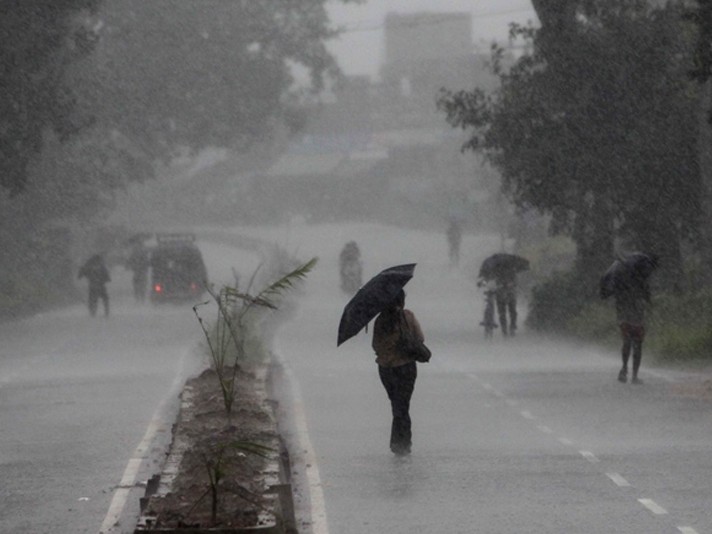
(403, 323)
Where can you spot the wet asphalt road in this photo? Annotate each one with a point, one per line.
(87, 404)
(510, 436)
(521, 435)
(76, 397)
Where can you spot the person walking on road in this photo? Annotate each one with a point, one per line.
(139, 262)
(96, 273)
(454, 239)
(631, 303)
(396, 371)
(627, 281)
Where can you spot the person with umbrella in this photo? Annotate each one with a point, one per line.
(396, 370)
(383, 297)
(503, 269)
(627, 281)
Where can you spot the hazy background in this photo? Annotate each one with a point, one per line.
(360, 49)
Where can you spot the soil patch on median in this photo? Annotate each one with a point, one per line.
(207, 442)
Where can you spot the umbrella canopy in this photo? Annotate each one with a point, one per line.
(626, 272)
(374, 297)
(502, 265)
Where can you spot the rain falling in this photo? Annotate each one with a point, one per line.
(355, 266)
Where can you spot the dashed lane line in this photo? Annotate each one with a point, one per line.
(589, 456)
(653, 506)
(618, 480)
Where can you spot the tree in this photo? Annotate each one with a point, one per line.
(39, 39)
(174, 75)
(596, 127)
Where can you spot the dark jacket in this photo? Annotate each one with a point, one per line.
(95, 272)
(385, 340)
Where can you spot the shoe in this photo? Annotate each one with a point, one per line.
(623, 376)
(636, 380)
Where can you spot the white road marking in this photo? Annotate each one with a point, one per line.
(653, 506)
(526, 414)
(618, 480)
(511, 402)
(566, 441)
(687, 530)
(128, 479)
(319, 523)
(545, 429)
(589, 456)
(487, 386)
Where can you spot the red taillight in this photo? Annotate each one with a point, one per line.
(157, 288)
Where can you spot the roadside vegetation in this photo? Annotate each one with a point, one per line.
(86, 113)
(237, 334)
(677, 328)
(603, 128)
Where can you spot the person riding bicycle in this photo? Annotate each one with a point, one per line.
(488, 321)
(506, 298)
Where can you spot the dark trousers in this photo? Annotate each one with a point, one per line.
(399, 383)
(96, 293)
(507, 303)
(633, 336)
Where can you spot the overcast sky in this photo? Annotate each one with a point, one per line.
(359, 50)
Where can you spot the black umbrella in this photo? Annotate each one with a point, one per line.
(626, 272)
(374, 297)
(503, 265)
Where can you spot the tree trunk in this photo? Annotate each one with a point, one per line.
(594, 236)
(705, 163)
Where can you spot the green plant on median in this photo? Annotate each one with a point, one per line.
(219, 455)
(226, 341)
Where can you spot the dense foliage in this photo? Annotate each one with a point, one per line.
(597, 128)
(38, 41)
(96, 95)
(173, 75)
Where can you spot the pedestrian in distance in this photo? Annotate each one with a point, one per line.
(96, 273)
(138, 262)
(502, 268)
(454, 239)
(627, 282)
(396, 370)
(506, 299)
(350, 268)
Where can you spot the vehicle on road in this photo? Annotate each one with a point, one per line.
(178, 271)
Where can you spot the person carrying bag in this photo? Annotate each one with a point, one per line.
(397, 341)
(411, 342)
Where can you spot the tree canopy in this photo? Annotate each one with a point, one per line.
(185, 75)
(596, 127)
(39, 39)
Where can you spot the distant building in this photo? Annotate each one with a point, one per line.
(425, 52)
